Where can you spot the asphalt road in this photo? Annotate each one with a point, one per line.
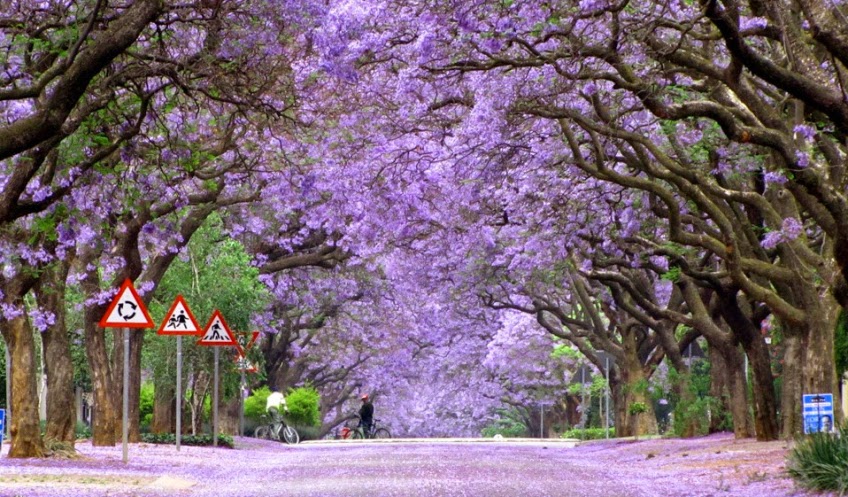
(417, 468)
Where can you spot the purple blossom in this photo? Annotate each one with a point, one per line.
(752, 23)
(802, 159)
(776, 177)
(805, 131)
(771, 239)
(10, 311)
(41, 320)
(792, 228)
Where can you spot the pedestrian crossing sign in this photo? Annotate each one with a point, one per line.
(217, 333)
(179, 320)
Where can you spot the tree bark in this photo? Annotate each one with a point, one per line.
(164, 406)
(766, 426)
(635, 389)
(104, 426)
(61, 410)
(24, 427)
(792, 422)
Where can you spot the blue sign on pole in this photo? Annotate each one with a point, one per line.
(818, 413)
(2, 424)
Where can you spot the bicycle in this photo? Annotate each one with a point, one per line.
(359, 433)
(283, 431)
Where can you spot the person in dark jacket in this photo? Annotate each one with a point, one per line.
(366, 414)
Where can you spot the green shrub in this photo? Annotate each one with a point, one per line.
(303, 404)
(505, 427)
(200, 440)
(820, 462)
(589, 433)
(254, 406)
(145, 406)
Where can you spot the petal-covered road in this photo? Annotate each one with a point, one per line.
(711, 466)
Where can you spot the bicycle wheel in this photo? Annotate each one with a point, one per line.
(263, 432)
(290, 435)
(382, 433)
(356, 434)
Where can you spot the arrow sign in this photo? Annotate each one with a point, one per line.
(127, 310)
(217, 333)
(179, 320)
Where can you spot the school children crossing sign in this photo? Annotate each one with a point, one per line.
(179, 320)
(126, 310)
(217, 333)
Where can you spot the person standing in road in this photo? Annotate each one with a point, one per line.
(366, 414)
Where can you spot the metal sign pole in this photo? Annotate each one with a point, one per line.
(179, 389)
(126, 429)
(241, 404)
(215, 404)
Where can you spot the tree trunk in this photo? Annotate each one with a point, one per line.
(719, 389)
(819, 365)
(24, 427)
(737, 391)
(106, 412)
(792, 421)
(199, 388)
(765, 401)
(635, 390)
(61, 405)
(748, 333)
(164, 406)
(228, 416)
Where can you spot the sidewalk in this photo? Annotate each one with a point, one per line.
(558, 442)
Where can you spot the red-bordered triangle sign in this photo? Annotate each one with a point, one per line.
(217, 333)
(126, 310)
(244, 364)
(179, 320)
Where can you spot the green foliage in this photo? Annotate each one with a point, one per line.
(564, 350)
(673, 274)
(215, 273)
(589, 433)
(254, 406)
(200, 440)
(820, 462)
(303, 404)
(507, 425)
(145, 405)
(637, 408)
(598, 386)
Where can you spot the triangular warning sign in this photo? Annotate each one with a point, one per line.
(245, 365)
(217, 333)
(127, 310)
(179, 320)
